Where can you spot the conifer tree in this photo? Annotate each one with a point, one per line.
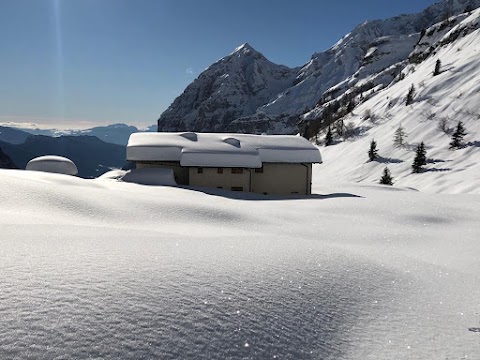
(457, 137)
(438, 66)
(387, 178)
(420, 158)
(350, 106)
(399, 137)
(410, 95)
(329, 137)
(373, 152)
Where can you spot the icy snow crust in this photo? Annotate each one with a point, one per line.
(107, 269)
(53, 164)
(224, 150)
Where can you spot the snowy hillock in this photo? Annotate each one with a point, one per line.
(439, 103)
(367, 59)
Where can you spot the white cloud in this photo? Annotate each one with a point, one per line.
(189, 71)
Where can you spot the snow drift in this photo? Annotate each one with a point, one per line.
(53, 164)
(107, 269)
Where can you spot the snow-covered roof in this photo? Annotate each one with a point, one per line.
(221, 150)
(53, 164)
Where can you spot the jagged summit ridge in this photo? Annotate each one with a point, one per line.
(245, 92)
(245, 48)
(233, 87)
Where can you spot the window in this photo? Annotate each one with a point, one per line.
(199, 170)
(237, 188)
(259, 171)
(219, 170)
(265, 193)
(237, 171)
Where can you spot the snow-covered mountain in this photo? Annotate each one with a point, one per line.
(370, 57)
(233, 87)
(439, 103)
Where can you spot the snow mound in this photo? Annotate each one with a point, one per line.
(150, 176)
(112, 175)
(53, 164)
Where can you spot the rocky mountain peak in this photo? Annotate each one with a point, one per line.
(245, 92)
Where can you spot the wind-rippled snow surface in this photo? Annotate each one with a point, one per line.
(100, 269)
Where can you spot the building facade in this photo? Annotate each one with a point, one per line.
(264, 164)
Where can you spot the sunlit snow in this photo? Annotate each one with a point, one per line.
(108, 269)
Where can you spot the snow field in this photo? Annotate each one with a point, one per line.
(106, 269)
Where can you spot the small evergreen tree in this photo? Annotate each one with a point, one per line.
(350, 106)
(420, 158)
(373, 152)
(399, 137)
(410, 95)
(387, 178)
(457, 137)
(329, 137)
(438, 66)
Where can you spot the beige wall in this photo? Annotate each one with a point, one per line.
(180, 173)
(276, 179)
(211, 178)
(283, 179)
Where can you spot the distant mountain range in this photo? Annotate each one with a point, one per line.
(5, 161)
(115, 133)
(245, 92)
(92, 156)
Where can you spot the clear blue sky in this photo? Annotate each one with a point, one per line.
(76, 63)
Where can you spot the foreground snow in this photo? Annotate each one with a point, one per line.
(105, 269)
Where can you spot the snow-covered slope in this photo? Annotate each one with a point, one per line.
(370, 48)
(369, 57)
(104, 269)
(439, 101)
(233, 87)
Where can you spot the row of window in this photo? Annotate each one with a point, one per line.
(234, 170)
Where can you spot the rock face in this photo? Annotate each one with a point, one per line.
(233, 87)
(244, 92)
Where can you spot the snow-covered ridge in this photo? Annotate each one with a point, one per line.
(233, 87)
(230, 96)
(439, 103)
